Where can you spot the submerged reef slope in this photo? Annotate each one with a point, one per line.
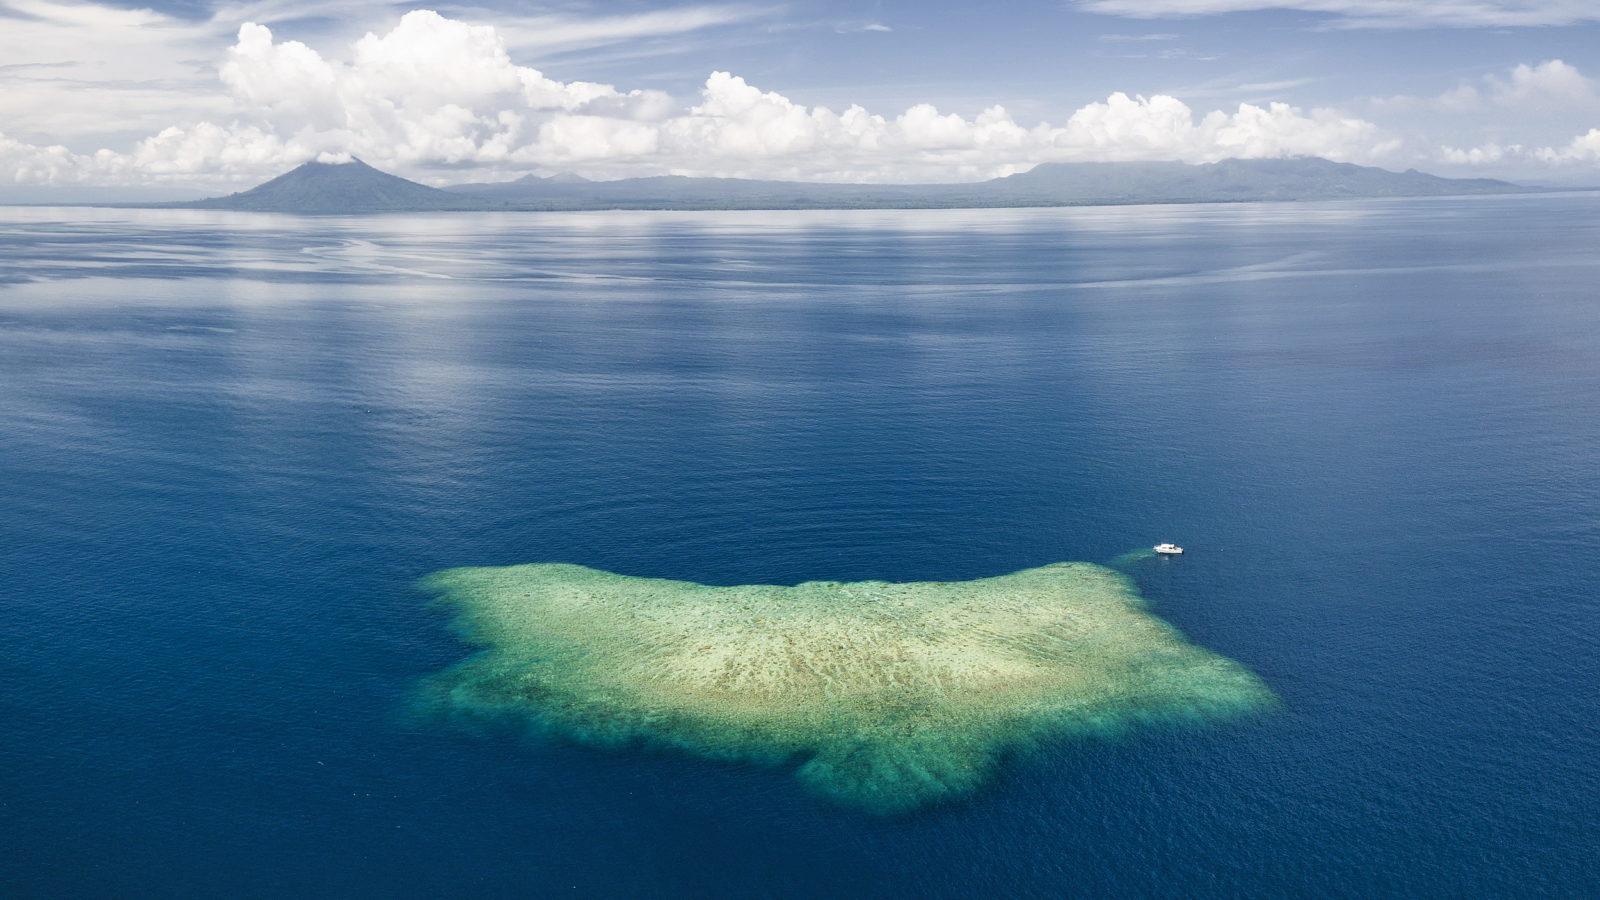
(889, 696)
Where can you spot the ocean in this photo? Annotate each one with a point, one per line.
(231, 444)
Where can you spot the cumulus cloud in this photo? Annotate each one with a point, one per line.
(1549, 85)
(1513, 121)
(1585, 148)
(431, 90)
(1163, 127)
(434, 91)
(1485, 154)
(739, 129)
(82, 71)
(1373, 13)
(32, 164)
(1550, 82)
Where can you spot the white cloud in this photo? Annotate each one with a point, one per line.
(1483, 155)
(1552, 82)
(1585, 148)
(738, 129)
(82, 71)
(567, 140)
(431, 90)
(31, 164)
(435, 91)
(1549, 85)
(1513, 123)
(1373, 13)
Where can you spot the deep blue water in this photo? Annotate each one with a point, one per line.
(230, 444)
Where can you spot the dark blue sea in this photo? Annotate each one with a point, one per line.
(230, 444)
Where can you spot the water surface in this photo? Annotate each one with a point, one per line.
(230, 444)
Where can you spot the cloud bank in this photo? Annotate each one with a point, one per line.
(442, 99)
(435, 92)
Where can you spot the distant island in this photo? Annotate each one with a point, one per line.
(342, 188)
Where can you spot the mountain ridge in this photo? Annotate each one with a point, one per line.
(317, 188)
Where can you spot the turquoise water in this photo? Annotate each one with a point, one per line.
(230, 445)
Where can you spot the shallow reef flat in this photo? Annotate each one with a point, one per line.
(888, 696)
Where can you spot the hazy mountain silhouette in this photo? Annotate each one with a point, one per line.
(317, 188)
(1305, 178)
(355, 187)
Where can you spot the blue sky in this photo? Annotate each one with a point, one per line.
(197, 95)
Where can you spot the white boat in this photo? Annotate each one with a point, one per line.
(1168, 549)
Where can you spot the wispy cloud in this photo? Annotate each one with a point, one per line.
(97, 70)
(1270, 87)
(1372, 13)
(38, 66)
(548, 33)
(1165, 53)
(1137, 38)
(1239, 87)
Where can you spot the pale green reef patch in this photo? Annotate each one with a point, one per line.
(888, 696)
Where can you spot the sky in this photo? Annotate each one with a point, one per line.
(193, 97)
